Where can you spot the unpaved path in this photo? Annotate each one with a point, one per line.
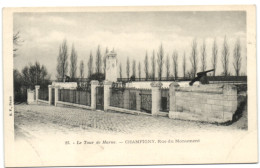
(30, 119)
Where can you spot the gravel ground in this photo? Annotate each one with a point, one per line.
(49, 119)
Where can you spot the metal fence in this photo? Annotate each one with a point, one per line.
(132, 99)
(165, 97)
(73, 80)
(146, 100)
(212, 79)
(82, 97)
(153, 79)
(44, 94)
(123, 98)
(117, 97)
(227, 79)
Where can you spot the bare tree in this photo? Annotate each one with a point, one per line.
(167, 66)
(184, 65)
(90, 65)
(127, 68)
(237, 57)
(160, 62)
(214, 56)
(16, 41)
(203, 56)
(194, 58)
(175, 64)
(98, 61)
(134, 69)
(225, 57)
(104, 61)
(146, 66)
(153, 66)
(73, 63)
(139, 70)
(16, 38)
(120, 71)
(62, 60)
(81, 69)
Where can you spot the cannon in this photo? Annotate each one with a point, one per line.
(202, 77)
(67, 78)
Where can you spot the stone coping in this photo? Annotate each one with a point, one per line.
(164, 114)
(123, 110)
(43, 101)
(64, 84)
(217, 89)
(189, 116)
(73, 104)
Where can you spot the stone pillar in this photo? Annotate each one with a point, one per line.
(172, 101)
(37, 87)
(56, 95)
(30, 96)
(50, 94)
(94, 84)
(230, 101)
(107, 94)
(156, 97)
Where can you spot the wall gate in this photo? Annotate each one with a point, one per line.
(146, 101)
(100, 97)
(52, 96)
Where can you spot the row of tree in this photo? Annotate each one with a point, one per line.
(157, 63)
(63, 64)
(194, 58)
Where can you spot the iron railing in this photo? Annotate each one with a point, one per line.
(165, 97)
(117, 98)
(44, 94)
(227, 79)
(123, 98)
(83, 81)
(131, 99)
(82, 97)
(212, 79)
(152, 79)
(146, 100)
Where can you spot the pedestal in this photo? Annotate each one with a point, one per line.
(156, 97)
(107, 94)
(94, 84)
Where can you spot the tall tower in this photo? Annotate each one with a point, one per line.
(111, 66)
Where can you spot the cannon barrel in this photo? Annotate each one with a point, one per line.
(204, 72)
(200, 75)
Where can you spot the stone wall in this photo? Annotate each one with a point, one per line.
(165, 84)
(65, 85)
(210, 103)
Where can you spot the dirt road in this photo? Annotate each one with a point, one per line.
(43, 118)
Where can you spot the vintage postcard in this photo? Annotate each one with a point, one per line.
(94, 86)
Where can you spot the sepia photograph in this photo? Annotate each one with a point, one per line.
(134, 86)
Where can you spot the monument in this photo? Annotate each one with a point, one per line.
(111, 66)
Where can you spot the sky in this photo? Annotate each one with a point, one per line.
(130, 34)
